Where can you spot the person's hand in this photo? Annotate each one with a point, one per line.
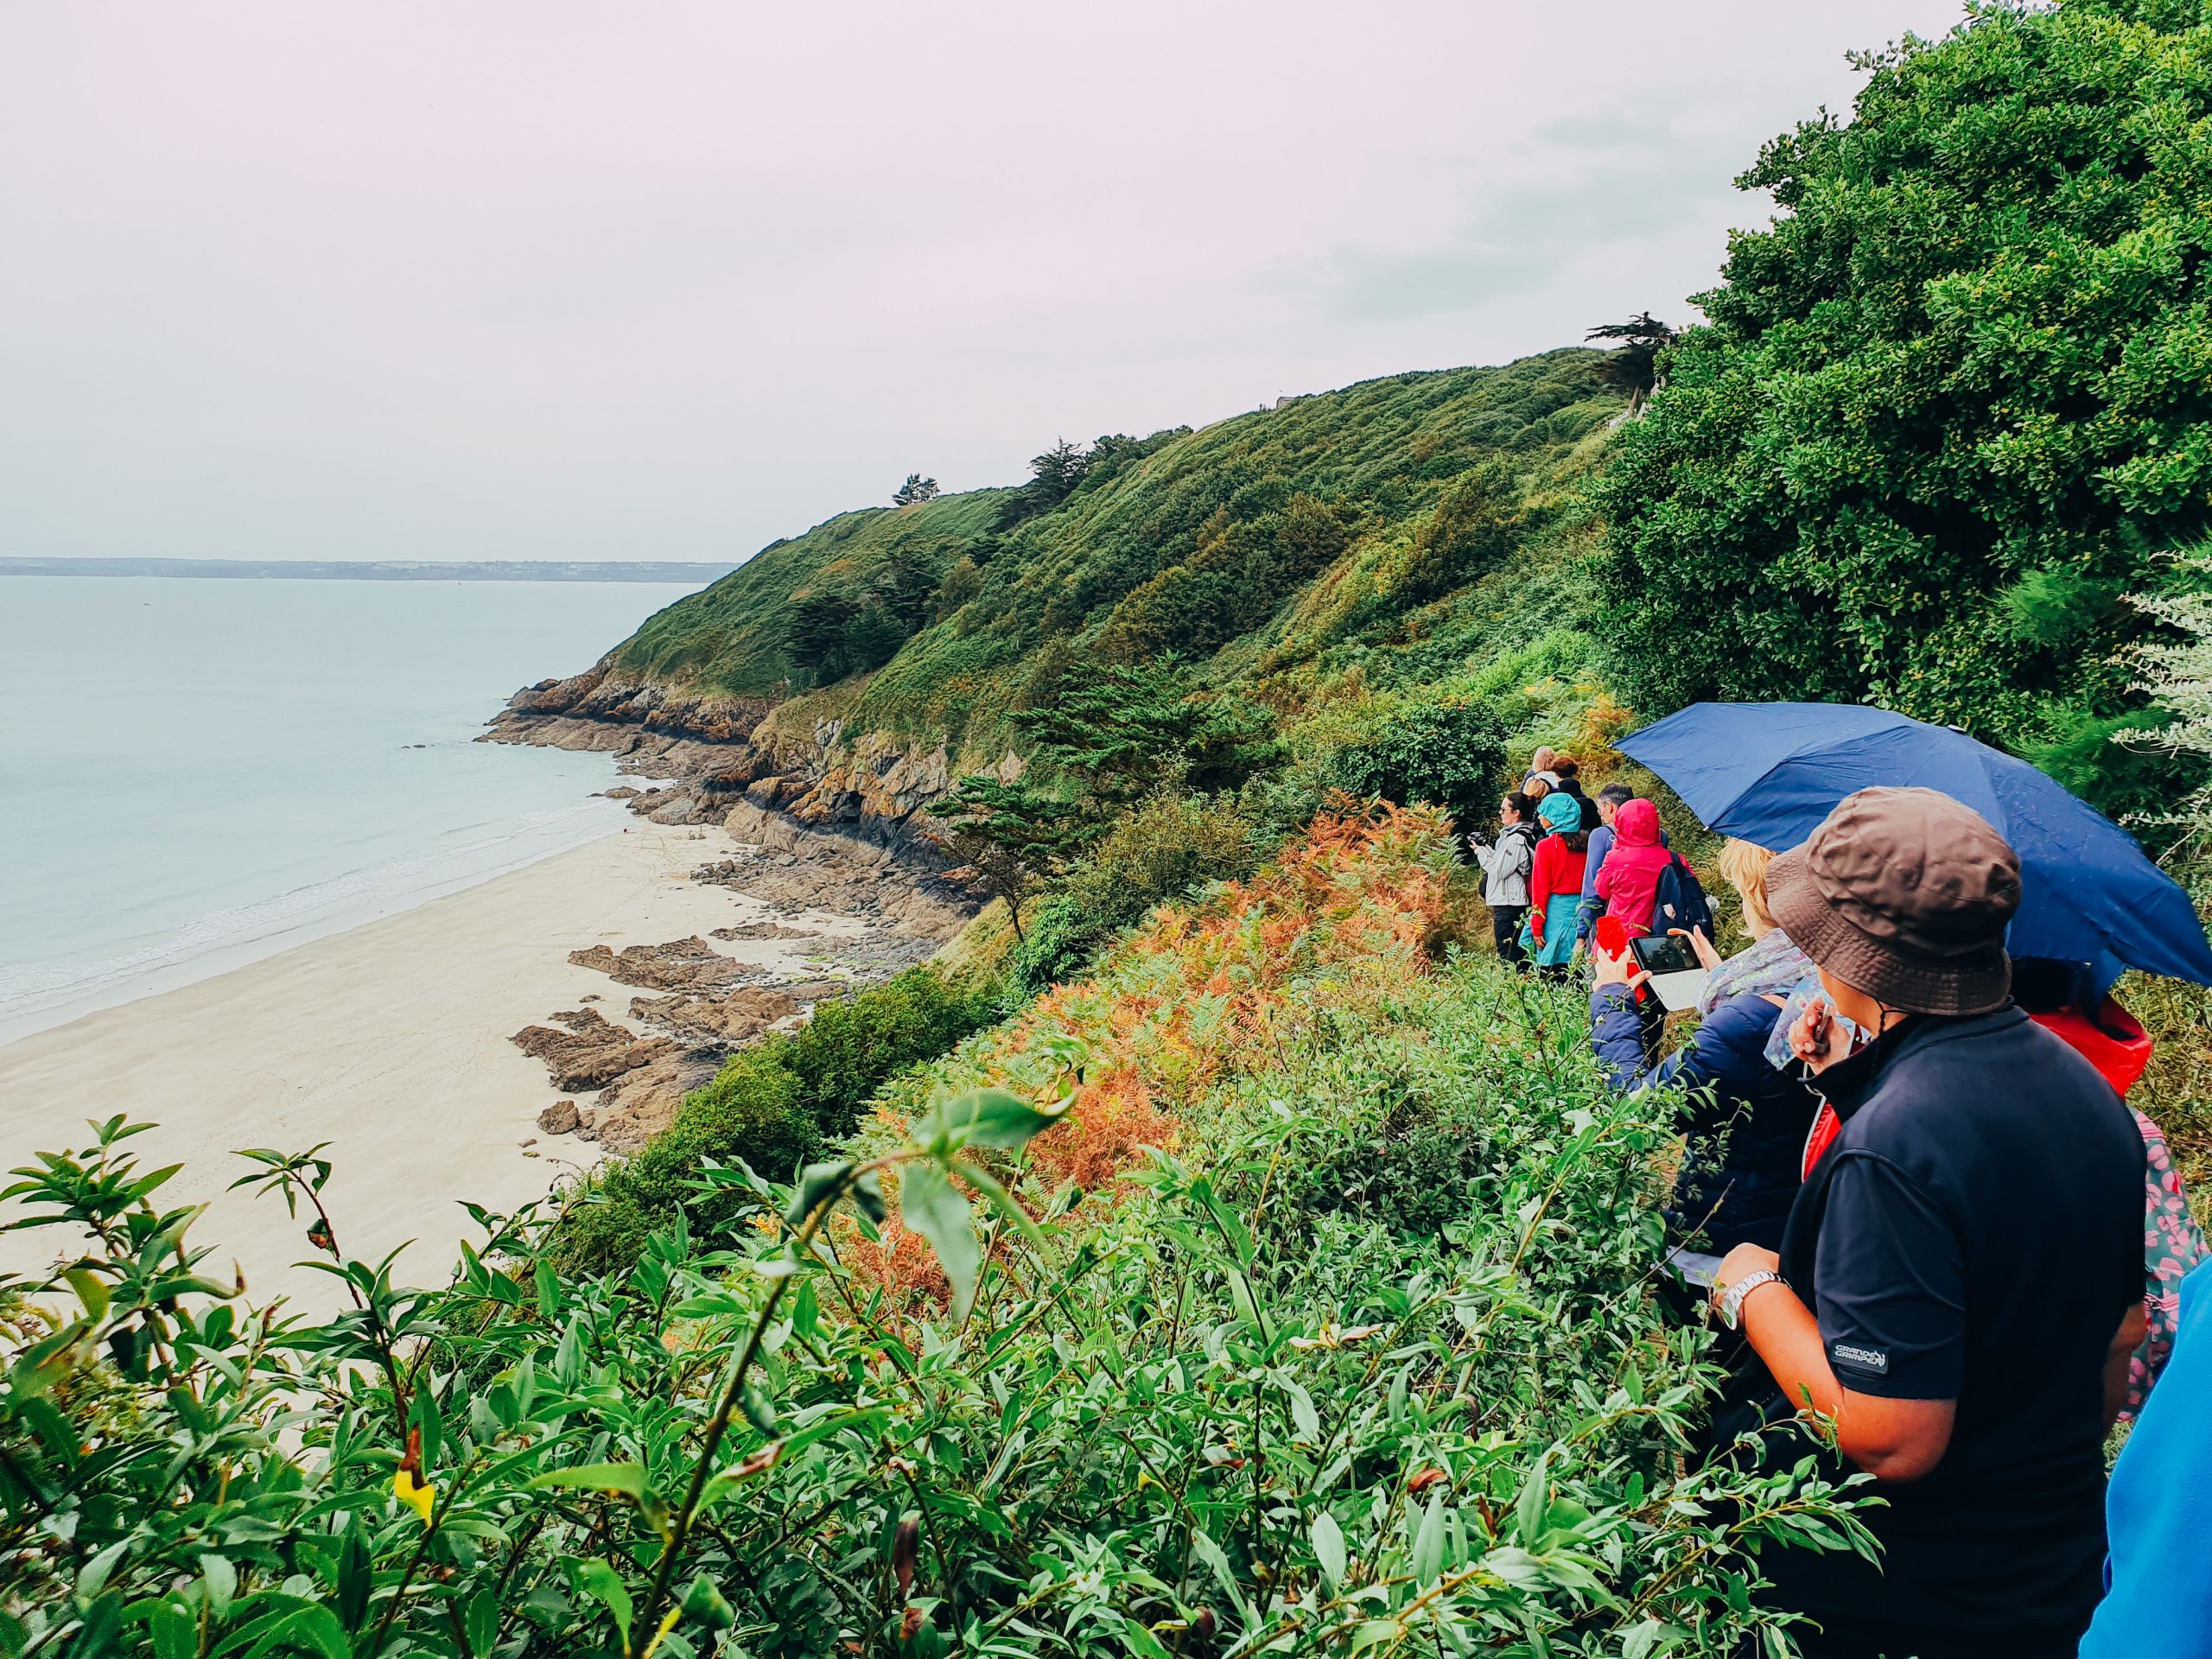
(1816, 1038)
(1744, 1258)
(1622, 970)
(1708, 957)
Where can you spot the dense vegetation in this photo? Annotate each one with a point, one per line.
(1294, 1378)
(1954, 405)
(777, 1104)
(1227, 1264)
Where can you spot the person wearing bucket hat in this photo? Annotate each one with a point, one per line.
(1961, 1278)
(1556, 885)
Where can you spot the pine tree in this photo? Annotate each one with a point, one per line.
(916, 490)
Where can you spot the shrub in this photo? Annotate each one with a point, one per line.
(1161, 849)
(1446, 753)
(1197, 1416)
(1941, 413)
(772, 1107)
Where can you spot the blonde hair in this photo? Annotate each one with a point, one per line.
(1537, 789)
(1743, 867)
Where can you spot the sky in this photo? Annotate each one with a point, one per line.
(540, 279)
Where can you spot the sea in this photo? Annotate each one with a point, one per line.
(195, 773)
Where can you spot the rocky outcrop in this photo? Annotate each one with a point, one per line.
(729, 1021)
(868, 786)
(591, 1053)
(690, 964)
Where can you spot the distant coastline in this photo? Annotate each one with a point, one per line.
(379, 569)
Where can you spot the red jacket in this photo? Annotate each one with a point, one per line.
(1558, 874)
(1629, 880)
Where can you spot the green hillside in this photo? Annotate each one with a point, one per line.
(1316, 535)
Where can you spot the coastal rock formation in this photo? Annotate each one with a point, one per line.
(756, 930)
(690, 964)
(559, 1118)
(591, 1053)
(727, 1021)
(642, 1104)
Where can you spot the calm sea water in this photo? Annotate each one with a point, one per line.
(195, 774)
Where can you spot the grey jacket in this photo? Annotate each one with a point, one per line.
(1506, 865)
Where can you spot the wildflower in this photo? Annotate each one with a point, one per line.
(417, 1497)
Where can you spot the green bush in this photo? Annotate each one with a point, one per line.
(1063, 939)
(1951, 402)
(1451, 753)
(1197, 1418)
(773, 1107)
(1160, 849)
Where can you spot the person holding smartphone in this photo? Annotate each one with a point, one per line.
(1960, 1283)
(1747, 1120)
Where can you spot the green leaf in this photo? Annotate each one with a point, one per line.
(1303, 1414)
(703, 1601)
(1535, 1499)
(929, 1204)
(817, 1183)
(997, 1118)
(604, 1584)
(423, 1413)
(1329, 1548)
(1428, 1543)
(759, 1410)
(175, 1633)
(482, 1622)
(548, 1285)
(628, 1478)
(222, 1581)
(356, 1576)
(1371, 1631)
(92, 1290)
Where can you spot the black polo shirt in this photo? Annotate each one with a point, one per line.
(1974, 1233)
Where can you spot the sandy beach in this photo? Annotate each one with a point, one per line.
(392, 1043)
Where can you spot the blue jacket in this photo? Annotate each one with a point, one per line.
(1747, 1120)
(2158, 1508)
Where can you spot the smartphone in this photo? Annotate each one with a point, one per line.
(1676, 977)
(1664, 953)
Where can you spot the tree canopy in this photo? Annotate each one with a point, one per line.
(1954, 403)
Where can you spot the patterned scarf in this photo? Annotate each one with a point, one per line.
(1772, 967)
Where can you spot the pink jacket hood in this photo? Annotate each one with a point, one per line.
(1635, 824)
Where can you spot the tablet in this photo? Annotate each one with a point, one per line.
(1677, 979)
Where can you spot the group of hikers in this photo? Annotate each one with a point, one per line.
(1938, 1223)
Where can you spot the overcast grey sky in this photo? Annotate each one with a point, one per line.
(531, 278)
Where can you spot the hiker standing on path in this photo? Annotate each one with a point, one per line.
(1747, 1120)
(1506, 866)
(1961, 1282)
(1628, 886)
(1555, 886)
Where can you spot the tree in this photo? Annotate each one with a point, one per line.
(1963, 371)
(1634, 367)
(1054, 477)
(1015, 834)
(916, 490)
(1448, 753)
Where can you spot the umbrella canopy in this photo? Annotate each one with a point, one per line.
(1768, 773)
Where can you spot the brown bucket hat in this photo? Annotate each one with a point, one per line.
(1905, 895)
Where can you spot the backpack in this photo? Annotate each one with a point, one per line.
(1681, 900)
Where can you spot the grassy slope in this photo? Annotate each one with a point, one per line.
(1193, 547)
(728, 638)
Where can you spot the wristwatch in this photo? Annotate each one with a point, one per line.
(1730, 1305)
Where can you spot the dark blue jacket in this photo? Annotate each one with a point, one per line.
(1747, 1120)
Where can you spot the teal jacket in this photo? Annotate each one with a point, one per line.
(2158, 1508)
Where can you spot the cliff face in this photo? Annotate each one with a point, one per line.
(727, 758)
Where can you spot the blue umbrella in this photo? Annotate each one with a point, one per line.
(1768, 773)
